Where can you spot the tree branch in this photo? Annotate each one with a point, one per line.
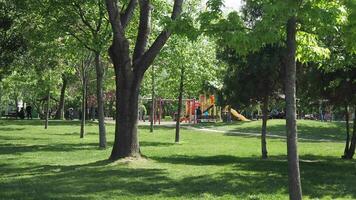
(114, 18)
(148, 57)
(82, 16)
(127, 15)
(79, 28)
(81, 41)
(143, 29)
(120, 49)
(101, 16)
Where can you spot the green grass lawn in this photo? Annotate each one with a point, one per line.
(57, 164)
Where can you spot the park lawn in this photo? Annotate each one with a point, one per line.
(57, 164)
(307, 129)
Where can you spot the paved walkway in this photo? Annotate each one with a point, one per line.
(227, 132)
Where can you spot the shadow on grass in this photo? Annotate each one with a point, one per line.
(9, 148)
(321, 177)
(11, 129)
(60, 147)
(38, 122)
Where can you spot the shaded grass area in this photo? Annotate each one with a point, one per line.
(56, 164)
(307, 129)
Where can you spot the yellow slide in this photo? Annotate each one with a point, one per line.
(239, 116)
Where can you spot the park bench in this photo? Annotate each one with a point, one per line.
(11, 115)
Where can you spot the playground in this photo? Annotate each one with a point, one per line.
(203, 109)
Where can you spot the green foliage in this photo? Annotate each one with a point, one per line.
(262, 22)
(198, 60)
(12, 42)
(250, 79)
(350, 28)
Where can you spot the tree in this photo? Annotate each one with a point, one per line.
(83, 69)
(60, 110)
(84, 21)
(92, 33)
(129, 70)
(295, 189)
(179, 111)
(253, 78)
(278, 21)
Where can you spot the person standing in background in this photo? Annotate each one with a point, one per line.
(29, 112)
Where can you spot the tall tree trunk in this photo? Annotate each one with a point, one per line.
(295, 190)
(347, 144)
(153, 100)
(47, 108)
(60, 111)
(264, 127)
(84, 97)
(126, 139)
(129, 71)
(181, 88)
(351, 151)
(100, 99)
(0, 99)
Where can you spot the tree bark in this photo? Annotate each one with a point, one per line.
(181, 88)
(126, 139)
(1, 89)
(60, 111)
(295, 190)
(347, 143)
(47, 108)
(84, 95)
(264, 128)
(351, 151)
(100, 99)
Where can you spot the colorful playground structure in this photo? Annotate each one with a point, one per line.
(236, 114)
(205, 105)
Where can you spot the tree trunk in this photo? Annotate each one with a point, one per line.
(351, 151)
(153, 101)
(264, 128)
(47, 108)
(60, 111)
(17, 107)
(347, 144)
(84, 97)
(126, 139)
(295, 190)
(100, 99)
(181, 88)
(0, 100)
